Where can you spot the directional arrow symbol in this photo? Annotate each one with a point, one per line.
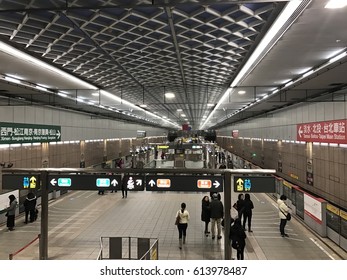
(300, 131)
(151, 183)
(53, 182)
(114, 182)
(216, 184)
(138, 182)
(58, 133)
(239, 181)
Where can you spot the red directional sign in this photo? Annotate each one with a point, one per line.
(328, 132)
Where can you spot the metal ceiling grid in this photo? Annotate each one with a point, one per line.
(139, 51)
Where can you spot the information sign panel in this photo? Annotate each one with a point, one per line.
(13, 133)
(134, 182)
(84, 182)
(21, 181)
(254, 184)
(184, 183)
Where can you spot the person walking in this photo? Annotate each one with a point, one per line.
(124, 189)
(247, 212)
(182, 224)
(206, 213)
(11, 212)
(283, 211)
(30, 207)
(237, 238)
(217, 213)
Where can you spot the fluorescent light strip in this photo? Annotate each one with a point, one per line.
(336, 4)
(19, 54)
(280, 21)
(12, 80)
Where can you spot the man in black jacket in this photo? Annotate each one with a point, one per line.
(217, 213)
(30, 207)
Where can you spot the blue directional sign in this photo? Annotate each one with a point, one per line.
(64, 182)
(103, 182)
(84, 182)
(184, 183)
(254, 184)
(21, 181)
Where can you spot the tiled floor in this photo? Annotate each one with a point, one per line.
(78, 219)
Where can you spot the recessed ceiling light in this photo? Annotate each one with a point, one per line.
(169, 95)
(143, 106)
(210, 105)
(241, 92)
(183, 115)
(179, 110)
(95, 94)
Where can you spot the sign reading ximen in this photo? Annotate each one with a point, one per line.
(328, 132)
(13, 133)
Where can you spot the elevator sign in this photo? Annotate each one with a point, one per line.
(254, 184)
(20, 181)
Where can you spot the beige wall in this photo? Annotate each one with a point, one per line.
(68, 154)
(329, 164)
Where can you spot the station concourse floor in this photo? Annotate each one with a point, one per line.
(78, 219)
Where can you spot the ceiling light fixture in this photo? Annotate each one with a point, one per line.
(169, 95)
(12, 80)
(23, 56)
(286, 13)
(336, 4)
(241, 92)
(19, 54)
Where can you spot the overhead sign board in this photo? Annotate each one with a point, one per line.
(134, 182)
(184, 183)
(254, 184)
(14, 133)
(328, 132)
(84, 182)
(21, 181)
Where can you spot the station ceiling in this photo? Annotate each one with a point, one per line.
(110, 59)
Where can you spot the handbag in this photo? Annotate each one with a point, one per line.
(235, 244)
(177, 221)
(288, 216)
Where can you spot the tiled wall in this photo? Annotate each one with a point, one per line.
(329, 164)
(63, 154)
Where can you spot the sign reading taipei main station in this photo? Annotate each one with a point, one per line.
(327, 132)
(16, 133)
